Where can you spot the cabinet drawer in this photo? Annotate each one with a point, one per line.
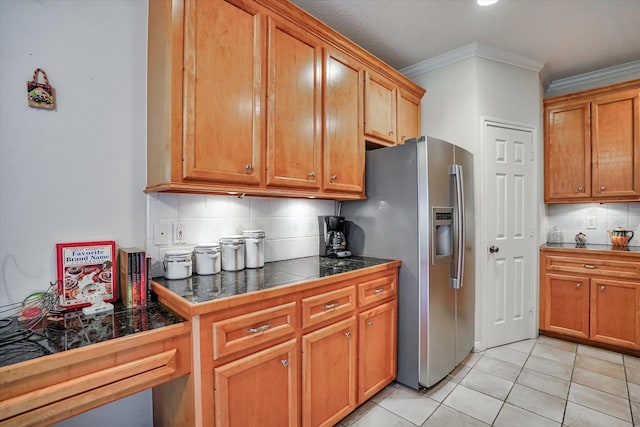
(252, 329)
(377, 290)
(329, 305)
(594, 267)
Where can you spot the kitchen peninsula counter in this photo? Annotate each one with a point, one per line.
(203, 294)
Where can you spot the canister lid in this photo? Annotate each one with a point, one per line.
(255, 234)
(207, 246)
(177, 255)
(235, 239)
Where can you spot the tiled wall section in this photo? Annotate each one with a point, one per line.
(572, 219)
(290, 225)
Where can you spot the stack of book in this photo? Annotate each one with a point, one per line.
(135, 280)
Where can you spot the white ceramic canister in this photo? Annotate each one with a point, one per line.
(177, 264)
(253, 248)
(232, 248)
(207, 258)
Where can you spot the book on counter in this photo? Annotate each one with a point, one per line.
(134, 277)
(86, 271)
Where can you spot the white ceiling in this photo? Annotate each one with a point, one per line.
(566, 37)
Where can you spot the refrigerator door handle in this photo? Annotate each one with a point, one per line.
(457, 279)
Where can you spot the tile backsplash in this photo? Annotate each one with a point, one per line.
(574, 218)
(290, 225)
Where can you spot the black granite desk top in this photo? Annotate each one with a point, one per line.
(197, 289)
(73, 330)
(592, 247)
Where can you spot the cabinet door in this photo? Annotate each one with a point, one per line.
(566, 305)
(567, 152)
(294, 107)
(329, 373)
(259, 390)
(223, 91)
(377, 349)
(615, 124)
(343, 124)
(615, 312)
(408, 116)
(380, 96)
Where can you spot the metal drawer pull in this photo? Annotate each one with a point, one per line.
(331, 305)
(259, 328)
(284, 362)
(589, 266)
(379, 290)
(578, 285)
(370, 323)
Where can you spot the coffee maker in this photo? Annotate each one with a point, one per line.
(334, 237)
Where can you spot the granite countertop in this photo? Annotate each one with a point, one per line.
(632, 250)
(198, 289)
(72, 330)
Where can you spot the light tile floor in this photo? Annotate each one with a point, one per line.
(539, 382)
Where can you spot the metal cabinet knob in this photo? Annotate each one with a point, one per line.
(347, 334)
(602, 288)
(312, 174)
(391, 132)
(578, 285)
(494, 249)
(370, 323)
(248, 167)
(334, 177)
(284, 362)
(602, 188)
(580, 189)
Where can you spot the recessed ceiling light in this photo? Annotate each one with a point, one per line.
(486, 2)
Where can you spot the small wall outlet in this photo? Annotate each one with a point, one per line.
(162, 234)
(591, 223)
(179, 236)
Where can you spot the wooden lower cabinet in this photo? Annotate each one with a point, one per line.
(259, 390)
(594, 297)
(615, 312)
(329, 373)
(377, 349)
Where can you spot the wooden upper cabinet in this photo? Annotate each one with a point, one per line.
(592, 145)
(294, 107)
(380, 109)
(343, 125)
(224, 91)
(408, 116)
(615, 123)
(567, 152)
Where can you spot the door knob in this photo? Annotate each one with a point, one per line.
(494, 249)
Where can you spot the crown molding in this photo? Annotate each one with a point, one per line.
(594, 78)
(469, 51)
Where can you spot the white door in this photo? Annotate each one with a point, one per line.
(510, 217)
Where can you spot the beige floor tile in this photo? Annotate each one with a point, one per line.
(410, 405)
(600, 366)
(522, 346)
(632, 362)
(351, 419)
(633, 375)
(380, 417)
(635, 409)
(553, 353)
(600, 401)
(598, 353)
(473, 403)
(440, 391)
(499, 368)
(488, 384)
(634, 392)
(472, 358)
(537, 402)
(448, 417)
(600, 382)
(508, 355)
(580, 416)
(540, 364)
(511, 416)
(543, 382)
(563, 345)
(459, 373)
(382, 394)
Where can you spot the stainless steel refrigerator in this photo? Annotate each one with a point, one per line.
(420, 210)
